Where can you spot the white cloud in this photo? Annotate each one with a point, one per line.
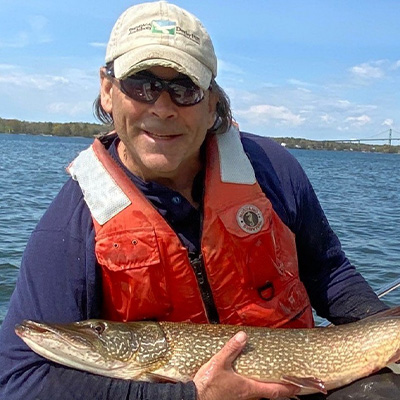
(98, 44)
(228, 67)
(358, 121)
(388, 122)
(374, 70)
(343, 103)
(327, 119)
(21, 39)
(38, 25)
(36, 32)
(71, 109)
(7, 67)
(341, 108)
(395, 65)
(371, 70)
(33, 81)
(297, 82)
(265, 113)
(64, 96)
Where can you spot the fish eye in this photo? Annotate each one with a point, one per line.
(99, 328)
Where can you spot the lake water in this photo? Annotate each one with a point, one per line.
(360, 193)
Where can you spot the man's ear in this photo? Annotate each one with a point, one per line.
(106, 88)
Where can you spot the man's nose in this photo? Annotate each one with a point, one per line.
(164, 107)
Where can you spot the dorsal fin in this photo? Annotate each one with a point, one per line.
(391, 312)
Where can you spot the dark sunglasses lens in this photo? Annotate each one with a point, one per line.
(147, 90)
(141, 89)
(185, 92)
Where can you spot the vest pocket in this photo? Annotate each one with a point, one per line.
(264, 247)
(254, 252)
(134, 283)
(128, 249)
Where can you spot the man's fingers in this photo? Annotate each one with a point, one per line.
(216, 380)
(232, 349)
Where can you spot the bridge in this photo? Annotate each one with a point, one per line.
(389, 138)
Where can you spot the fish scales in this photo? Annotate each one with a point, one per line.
(331, 354)
(316, 359)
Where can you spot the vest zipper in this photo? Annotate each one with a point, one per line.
(196, 260)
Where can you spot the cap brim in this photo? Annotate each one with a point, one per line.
(158, 55)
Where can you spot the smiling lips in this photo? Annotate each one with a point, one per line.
(162, 137)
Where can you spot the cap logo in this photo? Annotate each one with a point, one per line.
(163, 26)
(250, 218)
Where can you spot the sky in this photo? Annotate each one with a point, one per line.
(326, 69)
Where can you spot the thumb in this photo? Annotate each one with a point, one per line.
(233, 348)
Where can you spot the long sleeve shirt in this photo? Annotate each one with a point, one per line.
(59, 279)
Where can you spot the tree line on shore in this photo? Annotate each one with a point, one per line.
(85, 129)
(296, 143)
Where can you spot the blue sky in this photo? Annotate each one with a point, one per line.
(313, 69)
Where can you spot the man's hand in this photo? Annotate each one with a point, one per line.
(216, 379)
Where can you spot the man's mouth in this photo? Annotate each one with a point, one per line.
(160, 136)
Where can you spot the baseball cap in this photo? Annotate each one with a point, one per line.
(161, 34)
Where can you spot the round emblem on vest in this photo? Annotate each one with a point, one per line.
(250, 218)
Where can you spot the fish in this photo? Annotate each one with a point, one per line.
(316, 359)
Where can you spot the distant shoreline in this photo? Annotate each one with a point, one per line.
(90, 130)
(332, 145)
(84, 129)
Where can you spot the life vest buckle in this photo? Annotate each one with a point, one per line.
(267, 291)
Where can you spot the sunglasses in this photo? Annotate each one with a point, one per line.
(147, 88)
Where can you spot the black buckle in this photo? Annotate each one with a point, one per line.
(267, 291)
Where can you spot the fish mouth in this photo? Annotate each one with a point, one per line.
(29, 329)
(62, 345)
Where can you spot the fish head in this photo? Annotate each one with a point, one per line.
(122, 350)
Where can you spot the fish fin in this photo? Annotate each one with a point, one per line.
(168, 375)
(395, 357)
(391, 312)
(138, 375)
(161, 378)
(395, 367)
(308, 382)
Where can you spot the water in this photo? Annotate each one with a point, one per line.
(359, 192)
(32, 171)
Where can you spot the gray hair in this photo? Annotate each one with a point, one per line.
(222, 122)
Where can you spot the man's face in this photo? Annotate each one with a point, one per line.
(160, 140)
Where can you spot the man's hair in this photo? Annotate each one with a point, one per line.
(222, 122)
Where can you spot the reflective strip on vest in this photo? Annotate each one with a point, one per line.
(234, 164)
(103, 196)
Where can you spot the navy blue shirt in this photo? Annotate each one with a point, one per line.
(59, 279)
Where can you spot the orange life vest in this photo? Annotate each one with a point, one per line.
(248, 254)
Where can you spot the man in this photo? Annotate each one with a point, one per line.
(175, 216)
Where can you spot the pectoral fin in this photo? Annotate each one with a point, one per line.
(395, 357)
(168, 375)
(161, 378)
(395, 367)
(307, 382)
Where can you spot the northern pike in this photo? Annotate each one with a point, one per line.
(316, 359)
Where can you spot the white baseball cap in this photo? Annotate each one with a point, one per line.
(161, 34)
